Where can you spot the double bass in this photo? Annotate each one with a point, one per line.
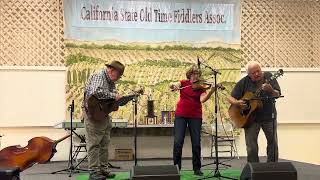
(39, 150)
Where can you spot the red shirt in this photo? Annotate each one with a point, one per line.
(189, 104)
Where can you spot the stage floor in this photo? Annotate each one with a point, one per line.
(43, 171)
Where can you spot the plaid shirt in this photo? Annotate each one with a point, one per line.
(100, 86)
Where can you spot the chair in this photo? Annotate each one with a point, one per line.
(82, 147)
(225, 140)
(79, 147)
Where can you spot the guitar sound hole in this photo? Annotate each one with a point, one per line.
(246, 110)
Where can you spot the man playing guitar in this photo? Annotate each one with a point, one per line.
(102, 87)
(264, 116)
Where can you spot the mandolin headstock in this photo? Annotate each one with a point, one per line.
(139, 91)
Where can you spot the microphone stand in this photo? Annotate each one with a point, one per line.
(272, 99)
(135, 112)
(71, 168)
(217, 173)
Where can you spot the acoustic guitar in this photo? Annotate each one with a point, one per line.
(241, 117)
(99, 109)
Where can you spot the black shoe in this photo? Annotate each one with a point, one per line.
(106, 173)
(96, 176)
(109, 175)
(198, 172)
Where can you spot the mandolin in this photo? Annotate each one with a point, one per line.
(100, 108)
(241, 117)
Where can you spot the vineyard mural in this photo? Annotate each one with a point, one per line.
(158, 42)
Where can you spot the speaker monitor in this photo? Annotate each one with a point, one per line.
(168, 172)
(267, 171)
(9, 174)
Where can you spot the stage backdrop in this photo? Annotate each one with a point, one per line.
(157, 41)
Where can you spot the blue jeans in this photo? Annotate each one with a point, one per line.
(180, 126)
(251, 134)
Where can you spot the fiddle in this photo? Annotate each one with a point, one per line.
(38, 150)
(201, 85)
(204, 85)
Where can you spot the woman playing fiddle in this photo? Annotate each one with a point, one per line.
(189, 114)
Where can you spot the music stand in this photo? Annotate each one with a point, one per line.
(71, 168)
(217, 173)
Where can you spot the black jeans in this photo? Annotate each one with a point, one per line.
(180, 126)
(251, 134)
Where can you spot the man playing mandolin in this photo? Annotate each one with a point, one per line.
(101, 86)
(264, 116)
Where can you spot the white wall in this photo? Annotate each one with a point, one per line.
(43, 100)
(32, 96)
(300, 88)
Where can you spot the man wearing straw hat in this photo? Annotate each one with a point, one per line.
(102, 86)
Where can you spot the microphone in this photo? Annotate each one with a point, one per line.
(198, 63)
(216, 71)
(71, 106)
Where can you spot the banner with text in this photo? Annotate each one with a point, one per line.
(157, 41)
(152, 15)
